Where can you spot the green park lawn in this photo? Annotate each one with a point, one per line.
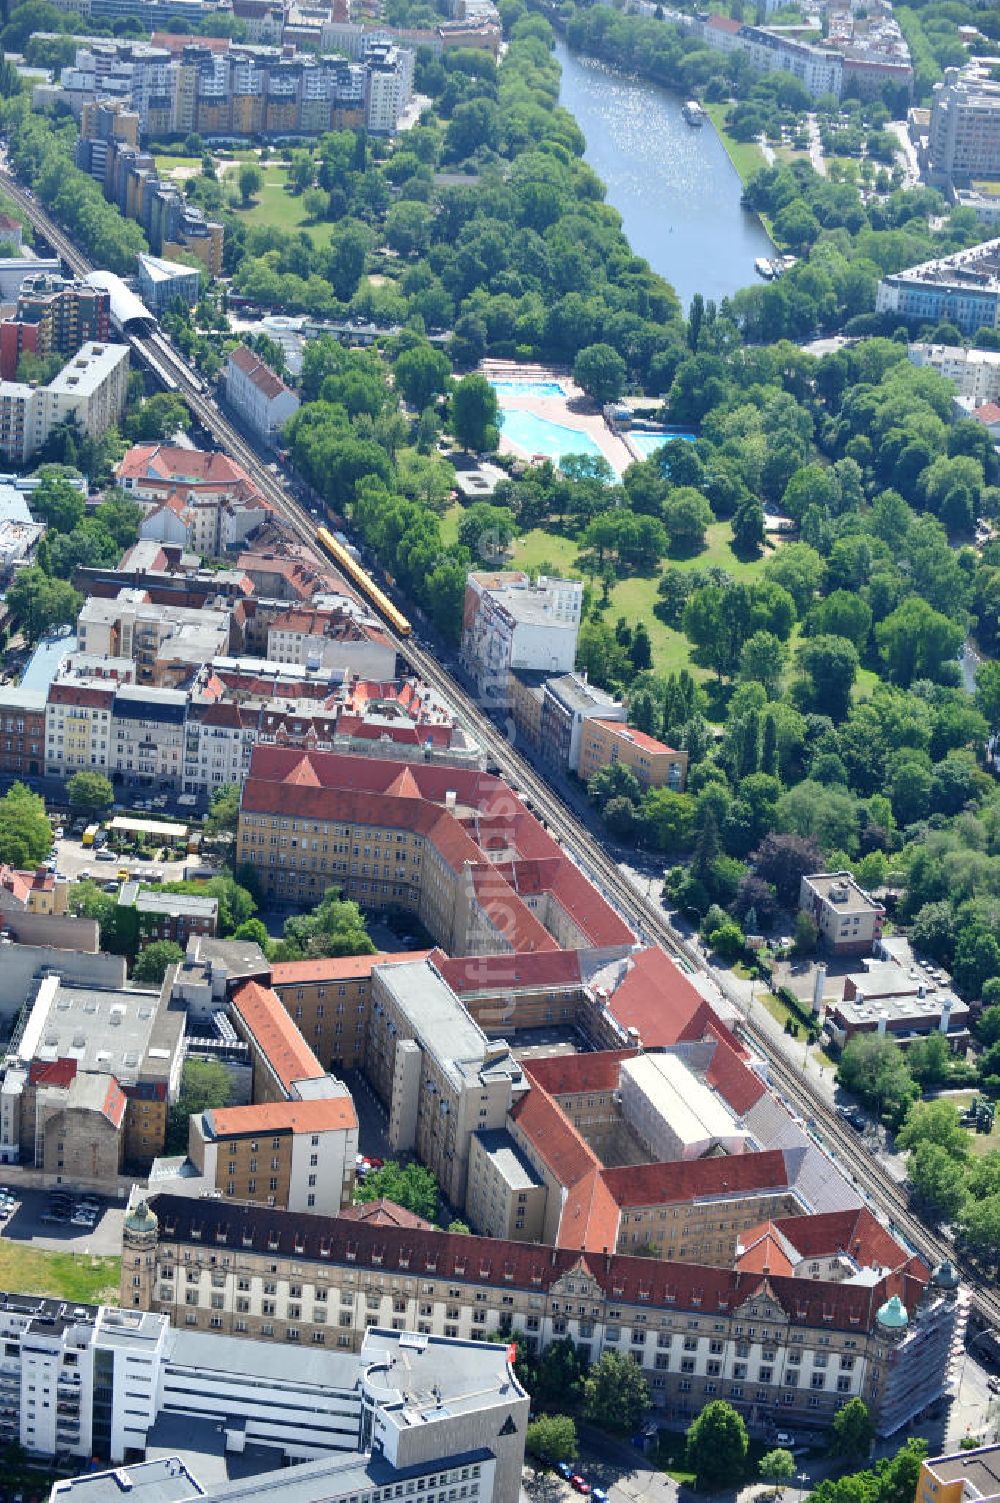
(275, 206)
(25, 1269)
(746, 156)
(635, 596)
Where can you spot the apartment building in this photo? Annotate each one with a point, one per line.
(975, 374)
(90, 389)
(390, 86)
(146, 746)
(298, 1155)
(848, 919)
(329, 1001)
(78, 724)
(964, 138)
(438, 1075)
(175, 916)
(22, 730)
(963, 289)
(971, 1476)
(400, 833)
(167, 643)
(845, 1310)
(53, 316)
(90, 1072)
(260, 397)
(511, 623)
(329, 637)
(568, 704)
(609, 743)
(200, 500)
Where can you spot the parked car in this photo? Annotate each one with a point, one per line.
(580, 1485)
(599, 1495)
(86, 1219)
(105, 856)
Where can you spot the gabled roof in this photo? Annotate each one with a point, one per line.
(277, 1036)
(329, 1114)
(334, 968)
(413, 1252)
(658, 1000)
(684, 1180)
(468, 974)
(553, 1137)
(257, 372)
(385, 1212)
(566, 1074)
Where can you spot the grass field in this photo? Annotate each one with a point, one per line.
(635, 597)
(167, 166)
(746, 156)
(982, 1142)
(274, 205)
(25, 1269)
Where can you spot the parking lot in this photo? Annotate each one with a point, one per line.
(31, 1221)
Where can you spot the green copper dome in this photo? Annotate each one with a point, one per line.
(892, 1316)
(140, 1220)
(946, 1275)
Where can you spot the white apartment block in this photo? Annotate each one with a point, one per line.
(975, 374)
(259, 396)
(511, 623)
(91, 389)
(78, 725)
(964, 138)
(390, 87)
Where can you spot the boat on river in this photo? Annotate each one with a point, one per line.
(693, 113)
(763, 267)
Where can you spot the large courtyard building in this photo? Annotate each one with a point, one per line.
(964, 138)
(962, 289)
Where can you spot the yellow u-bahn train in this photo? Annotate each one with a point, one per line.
(363, 581)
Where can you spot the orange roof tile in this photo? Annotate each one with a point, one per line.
(331, 1114)
(334, 968)
(385, 1212)
(636, 737)
(276, 1035)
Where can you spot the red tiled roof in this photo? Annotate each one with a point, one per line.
(725, 23)
(257, 372)
(856, 1233)
(492, 973)
(278, 1038)
(331, 1114)
(637, 738)
(658, 1000)
(337, 967)
(553, 1137)
(988, 413)
(509, 915)
(385, 1212)
(173, 465)
(52, 1072)
(734, 1080)
(115, 1102)
(447, 1256)
(589, 1217)
(684, 1180)
(566, 1074)
(765, 1251)
(85, 696)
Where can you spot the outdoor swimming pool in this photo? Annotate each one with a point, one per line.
(528, 388)
(538, 435)
(649, 443)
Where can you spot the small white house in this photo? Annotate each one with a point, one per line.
(260, 397)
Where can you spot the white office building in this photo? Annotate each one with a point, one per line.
(511, 622)
(964, 137)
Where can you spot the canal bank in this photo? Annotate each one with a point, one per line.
(674, 184)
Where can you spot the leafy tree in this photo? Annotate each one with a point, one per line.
(614, 781)
(152, 961)
(687, 515)
(422, 374)
(251, 180)
(600, 371)
(783, 860)
(937, 1180)
(25, 832)
(487, 532)
(411, 1186)
(717, 1445)
(929, 1060)
(762, 661)
(255, 931)
(777, 1466)
(559, 1374)
(874, 1068)
(224, 809)
(934, 1122)
(829, 666)
(852, 1431)
(40, 603)
(89, 792)
(806, 933)
(474, 413)
(159, 417)
(335, 927)
(58, 504)
(915, 641)
(205, 1085)
(980, 1228)
(552, 1438)
(616, 1394)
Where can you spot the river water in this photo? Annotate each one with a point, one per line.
(674, 186)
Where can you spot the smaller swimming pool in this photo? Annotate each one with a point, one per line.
(528, 388)
(649, 444)
(538, 435)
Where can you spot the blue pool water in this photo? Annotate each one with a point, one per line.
(528, 388)
(649, 443)
(538, 435)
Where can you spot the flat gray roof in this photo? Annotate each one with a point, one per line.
(508, 1159)
(979, 1470)
(419, 1378)
(437, 1017)
(166, 1480)
(176, 904)
(301, 1365)
(104, 1030)
(830, 885)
